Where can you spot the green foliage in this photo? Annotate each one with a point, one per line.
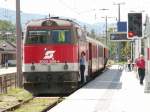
(125, 49)
(6, 26)
(37, 105)
(19, 93)
(13, 97)
(113, 46)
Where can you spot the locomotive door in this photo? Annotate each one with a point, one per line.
(90, 60)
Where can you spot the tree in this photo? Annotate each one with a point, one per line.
(113, 46)
(126, 49)
(5, 28)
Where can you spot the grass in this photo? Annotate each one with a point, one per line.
(37, 104)
(14, 96)
(19, 93)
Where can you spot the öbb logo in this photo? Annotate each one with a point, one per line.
(49, 54)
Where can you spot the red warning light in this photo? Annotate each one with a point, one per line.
(130, 34)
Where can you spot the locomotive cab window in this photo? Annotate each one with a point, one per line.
(60, 36)
(37, 37)
(48, 36)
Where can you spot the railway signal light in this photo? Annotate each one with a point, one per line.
(134, 25)
(130, 34)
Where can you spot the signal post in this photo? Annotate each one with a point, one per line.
(147, 55)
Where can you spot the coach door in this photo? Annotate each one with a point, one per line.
(90, 59)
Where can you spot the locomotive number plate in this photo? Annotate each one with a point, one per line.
(44, 61)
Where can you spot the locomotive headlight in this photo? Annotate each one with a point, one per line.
(66, 66)
(32, 66)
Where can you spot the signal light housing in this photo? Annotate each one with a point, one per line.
(134, 24)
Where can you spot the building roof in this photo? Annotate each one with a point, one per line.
(6, 46)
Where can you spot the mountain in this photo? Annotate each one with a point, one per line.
(10, 15)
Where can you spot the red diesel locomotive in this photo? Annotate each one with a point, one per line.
(51, 53)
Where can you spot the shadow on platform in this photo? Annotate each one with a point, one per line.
(110, 79)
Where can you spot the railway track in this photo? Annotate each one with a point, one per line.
(36, 104)
(20, 100)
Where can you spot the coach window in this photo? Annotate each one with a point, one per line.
(79, 33)
(100, 51)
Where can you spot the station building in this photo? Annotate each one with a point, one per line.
(7, 53)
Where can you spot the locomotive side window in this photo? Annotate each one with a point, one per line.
(81, 34)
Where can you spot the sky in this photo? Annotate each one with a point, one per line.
(88, 11)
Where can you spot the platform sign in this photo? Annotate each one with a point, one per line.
(122, 26)
(119, 36)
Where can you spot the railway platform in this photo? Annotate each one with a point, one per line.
(8, 70)
(112, 91)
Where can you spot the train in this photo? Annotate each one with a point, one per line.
(51, 53)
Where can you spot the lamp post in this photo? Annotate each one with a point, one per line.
(105, 24)
(118, 45)
(121, 3)
(105, 28)
(18, 54)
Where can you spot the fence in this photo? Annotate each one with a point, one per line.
(7, 81)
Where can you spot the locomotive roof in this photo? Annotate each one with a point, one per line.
(52, 22)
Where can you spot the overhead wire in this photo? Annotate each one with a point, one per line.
(79, 12)
(67, 6)
(76, 10)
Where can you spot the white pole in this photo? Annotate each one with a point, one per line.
(136, 47)
(147, 66)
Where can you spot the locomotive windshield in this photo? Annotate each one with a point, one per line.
(48, 36)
